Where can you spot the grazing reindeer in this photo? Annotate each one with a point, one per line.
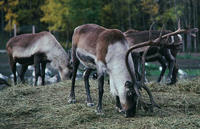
(37, 49)
(107, 51)
(162, 54)
(104, 49)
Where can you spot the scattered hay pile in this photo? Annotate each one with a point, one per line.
(25, 106)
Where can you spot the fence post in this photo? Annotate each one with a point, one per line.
(33, 29)
(15, 30)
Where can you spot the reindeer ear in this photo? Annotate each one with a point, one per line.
(129, 86)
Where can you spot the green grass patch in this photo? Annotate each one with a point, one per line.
(187, 56)
(153, 70)
(189, 72)
(192, 72)
(42, 107)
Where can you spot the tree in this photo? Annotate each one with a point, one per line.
(56, 13)
(21, 12)
(9, 6)
(150, 7)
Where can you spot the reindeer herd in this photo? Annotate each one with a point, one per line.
(109, 51)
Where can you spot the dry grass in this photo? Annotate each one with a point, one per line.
(25, 106)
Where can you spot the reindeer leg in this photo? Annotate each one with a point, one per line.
(14, 73)
(162, 61)
(87, 87)
(118, 104)
(13, 68)
(174, 74)
(101, 91)
(76, 63)
(171, 61)
(22, 72)
(43, 72)
(37, 68)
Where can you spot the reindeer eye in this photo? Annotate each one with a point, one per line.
(129, 93)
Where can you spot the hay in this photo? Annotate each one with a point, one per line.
(25, 106)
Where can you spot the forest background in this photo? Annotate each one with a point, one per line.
(62, 16)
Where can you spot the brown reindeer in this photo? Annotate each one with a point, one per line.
(104, 49)
(38, 49)
(107, 51)
(162, 54)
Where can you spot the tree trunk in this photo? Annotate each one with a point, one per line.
(15, 30)
(194, 20)
(189, 43)
(2, 19)
(129, 15)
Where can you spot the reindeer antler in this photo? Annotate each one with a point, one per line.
(155, 42)
(150, 30)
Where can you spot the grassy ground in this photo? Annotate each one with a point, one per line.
(153, 70)
(188, 56)
(43, 107)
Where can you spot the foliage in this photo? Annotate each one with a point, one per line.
(150, 7)
(9, 7)
(55, 14)
(29, 13)
(64, 16)
(170, 15)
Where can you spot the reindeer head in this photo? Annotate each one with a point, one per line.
(65, 71)
(131, 100)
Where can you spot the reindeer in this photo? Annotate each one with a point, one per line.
(162, 54)
(38, 49)
(105, 49)
(159, 42)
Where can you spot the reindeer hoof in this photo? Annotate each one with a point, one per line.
(90, 104)
(119, 109)
(169, 81)
(99, 112)
(71, 101)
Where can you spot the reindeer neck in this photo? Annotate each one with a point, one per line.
(57, 55)
(116, 68)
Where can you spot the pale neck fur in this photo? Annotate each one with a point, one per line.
(57, 55)
(117, 69)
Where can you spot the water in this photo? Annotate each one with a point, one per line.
(4, 65)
